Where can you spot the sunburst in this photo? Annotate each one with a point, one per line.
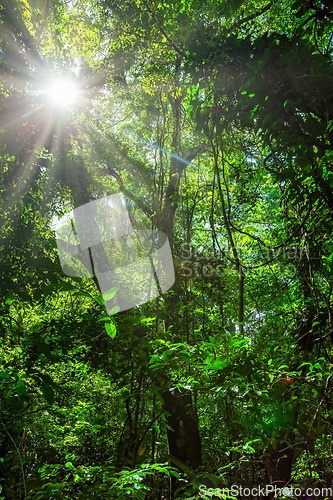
(63, 92)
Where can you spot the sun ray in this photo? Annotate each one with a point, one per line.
(63, 92)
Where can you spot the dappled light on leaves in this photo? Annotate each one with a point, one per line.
(166, 248)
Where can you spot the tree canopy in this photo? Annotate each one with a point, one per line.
(213, 120)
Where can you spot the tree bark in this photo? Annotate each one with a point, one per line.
(183, 437)
(279, 465)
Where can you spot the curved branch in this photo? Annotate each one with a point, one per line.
(251, 17)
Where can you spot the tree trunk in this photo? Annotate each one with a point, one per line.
(183, 432)
(183, 437)
(279, 465)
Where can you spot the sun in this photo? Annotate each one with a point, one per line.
(63, 92)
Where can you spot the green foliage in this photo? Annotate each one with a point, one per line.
(214, 119)
(87, 482)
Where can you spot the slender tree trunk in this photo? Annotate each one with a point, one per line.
(183, 432)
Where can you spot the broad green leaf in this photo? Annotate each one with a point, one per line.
(219, 364)
(110, 294)
(110, 329)
(48, 393)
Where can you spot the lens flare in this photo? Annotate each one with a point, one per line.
(63, 92)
